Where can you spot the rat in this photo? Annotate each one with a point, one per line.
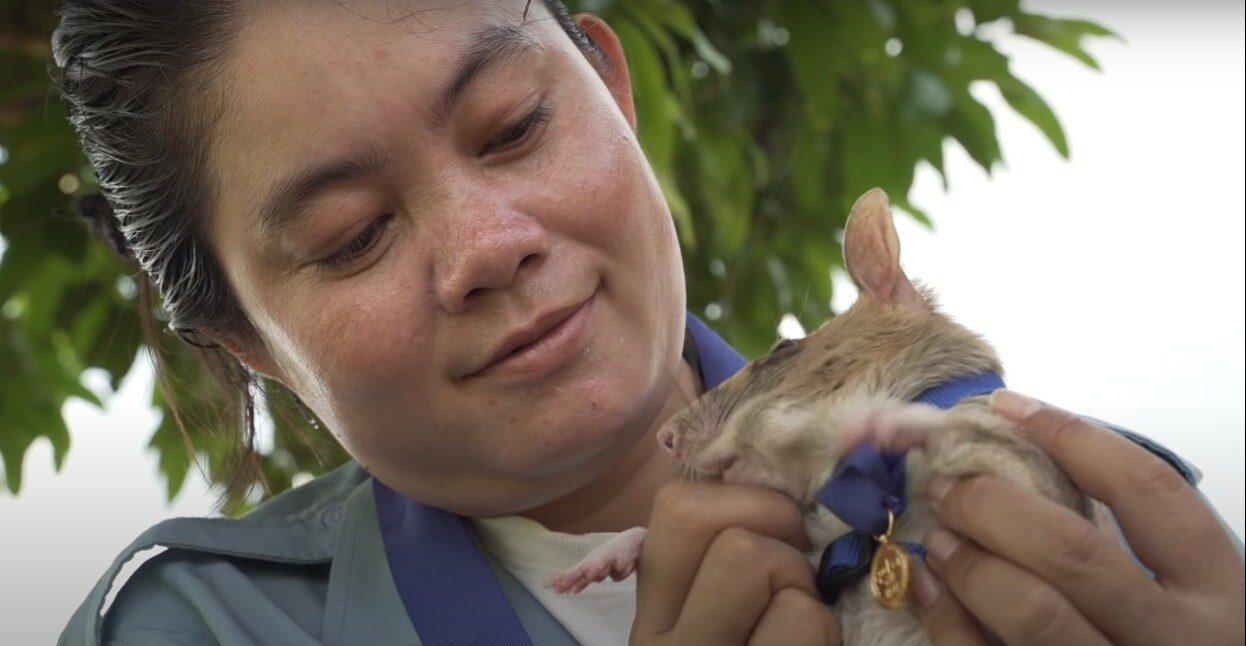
(785, 420)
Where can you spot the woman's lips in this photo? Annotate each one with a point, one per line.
(553, 340)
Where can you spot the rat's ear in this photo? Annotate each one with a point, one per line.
(872, 252)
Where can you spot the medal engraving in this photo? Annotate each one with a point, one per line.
(889, 575)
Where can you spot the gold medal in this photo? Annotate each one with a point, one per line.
(890, 571)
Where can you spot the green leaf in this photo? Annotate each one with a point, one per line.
(810, 167)
(1063, 35)
(679, 19)
(653, 116)
(664, 43)
(25, 77)
(724, 185)
(972, 125)
(680, 210)
(867, 144)
(654, 111)
(811, 52)
(927, 96)
(40, 150)
(985, 11)
(902, 203)
(975, 59)
(1022, 98)
(596, 6)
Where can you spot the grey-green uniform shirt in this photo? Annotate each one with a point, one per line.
(307, 567)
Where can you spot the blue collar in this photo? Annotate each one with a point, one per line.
(950, 393)
(867, 484)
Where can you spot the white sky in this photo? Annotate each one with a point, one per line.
(1112, 285)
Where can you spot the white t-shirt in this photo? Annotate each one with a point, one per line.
(599, 615)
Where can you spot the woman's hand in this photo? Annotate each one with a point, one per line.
(1034, 572)
(723, 564)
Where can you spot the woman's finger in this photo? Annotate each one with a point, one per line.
(947, 623)
(1009, 601)
(796, 618)
(739, 576)
(686, 519)
(1167, 524)
(1084, 564)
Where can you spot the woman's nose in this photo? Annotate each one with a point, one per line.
(487, 251)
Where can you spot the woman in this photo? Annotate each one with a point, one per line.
(433, 223)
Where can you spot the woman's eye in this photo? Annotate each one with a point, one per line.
(359, 246)
(519, 131)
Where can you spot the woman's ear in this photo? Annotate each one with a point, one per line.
(612, 66)
(251, 352)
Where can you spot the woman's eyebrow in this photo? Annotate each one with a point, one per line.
(489, 47)
(291, 196)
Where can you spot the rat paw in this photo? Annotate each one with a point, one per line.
(892, 427)
(617, 559)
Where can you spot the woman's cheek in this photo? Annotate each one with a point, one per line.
(611, 191)
(368, 343)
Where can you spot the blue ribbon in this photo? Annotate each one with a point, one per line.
(864, 487)
(868, 484)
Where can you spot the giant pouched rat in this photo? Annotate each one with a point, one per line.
(785, 420)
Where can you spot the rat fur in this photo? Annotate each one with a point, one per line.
(786, 419)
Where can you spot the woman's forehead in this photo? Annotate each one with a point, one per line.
(310, 32)
(292, 57)
(406, 14)
(307, 84)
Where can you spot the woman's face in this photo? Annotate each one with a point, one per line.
(449, 242)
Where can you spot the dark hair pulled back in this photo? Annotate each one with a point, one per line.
(139, 79)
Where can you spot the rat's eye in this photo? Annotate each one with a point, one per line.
(783, 345)
(780, 351)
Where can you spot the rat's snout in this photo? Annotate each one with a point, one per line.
(687, 432)
(666, 437)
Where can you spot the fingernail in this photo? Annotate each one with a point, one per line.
(941, 545)
(925, 588)
(1013, 405)
(939, 486)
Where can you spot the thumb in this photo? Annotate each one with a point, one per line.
(947, 623)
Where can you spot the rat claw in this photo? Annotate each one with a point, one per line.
(615, 559)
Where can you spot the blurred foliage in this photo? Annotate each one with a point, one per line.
(764, 120)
